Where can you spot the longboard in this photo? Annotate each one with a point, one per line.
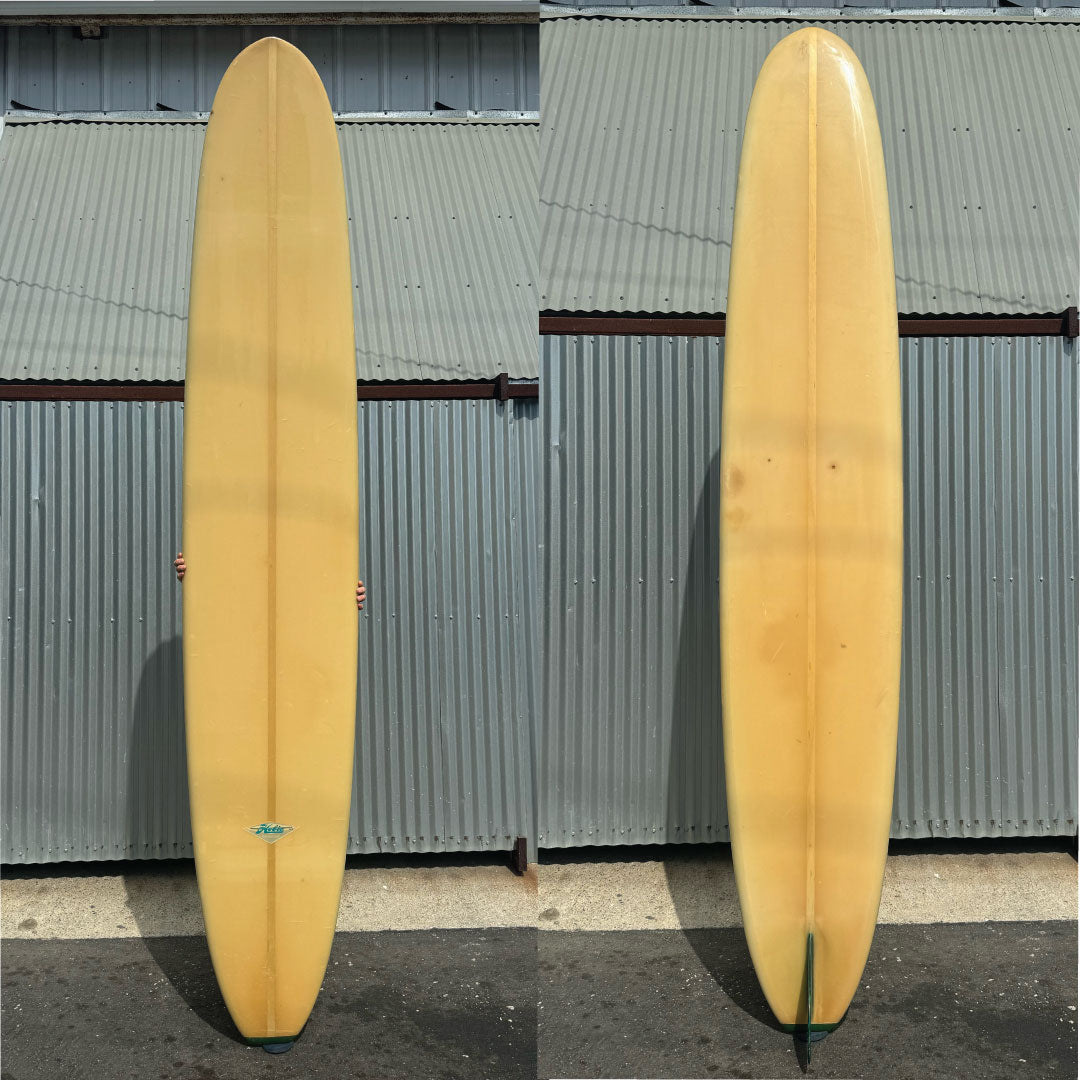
(270, 536)
(811, 529)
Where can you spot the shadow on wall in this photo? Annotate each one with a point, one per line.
(158, 810)
(696, 799)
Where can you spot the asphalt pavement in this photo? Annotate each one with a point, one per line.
(992, 1001)
(626, 966)
(453, 1004)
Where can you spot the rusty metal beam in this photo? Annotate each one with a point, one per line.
(499, 389)
(1062, 323)
(280, 18)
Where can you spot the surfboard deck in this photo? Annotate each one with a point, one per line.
(811, 528)
(270, 535)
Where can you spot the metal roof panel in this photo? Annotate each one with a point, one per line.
(97, 221)
(642, 122)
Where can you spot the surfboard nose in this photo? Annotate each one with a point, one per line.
(252, 66)
(833, 58)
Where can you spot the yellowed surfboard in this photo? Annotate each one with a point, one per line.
(811, 529)
(270, 536)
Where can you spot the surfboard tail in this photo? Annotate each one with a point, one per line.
(805, 1031)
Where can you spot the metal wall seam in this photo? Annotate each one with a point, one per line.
(401, 68)
(526, 516)
(629, 746)
(90, 661)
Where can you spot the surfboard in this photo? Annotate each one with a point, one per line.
(811, 529)
(270, 536)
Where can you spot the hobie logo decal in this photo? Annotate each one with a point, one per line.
(270, 831)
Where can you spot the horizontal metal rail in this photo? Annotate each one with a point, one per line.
(1064, 324)
(499, 389)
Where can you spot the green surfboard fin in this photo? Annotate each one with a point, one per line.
(808, 1032)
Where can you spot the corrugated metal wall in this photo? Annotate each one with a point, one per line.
(404, 68)
(629, 746)
(90, 659)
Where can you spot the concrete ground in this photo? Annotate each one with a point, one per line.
(154, 899)
(639, 969)
(695, 887)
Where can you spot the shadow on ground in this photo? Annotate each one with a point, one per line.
(696, 814)
(696, 793)
(696, 811)
(159, 827)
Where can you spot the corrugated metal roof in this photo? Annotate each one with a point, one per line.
(97, 219)
(629, 743)
(642, 126)
(979, 8)
(402, 68)
(158, 8)
(91, 684)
